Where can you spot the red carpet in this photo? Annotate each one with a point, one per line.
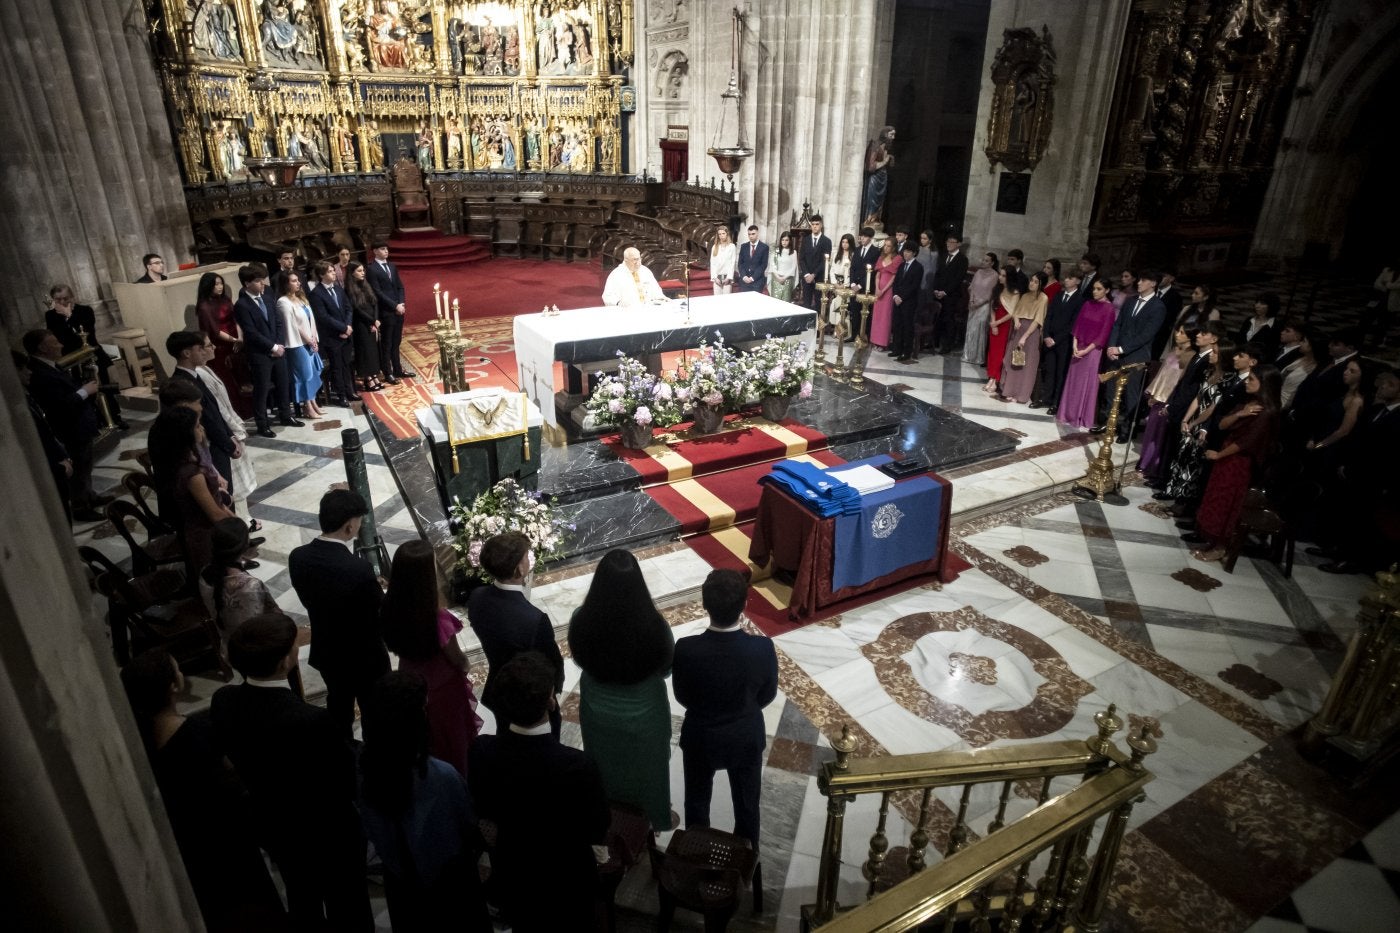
(503, 286)
(718, 500)
(744, 441)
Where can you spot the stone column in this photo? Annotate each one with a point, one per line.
(90, 177)
(1088, 40)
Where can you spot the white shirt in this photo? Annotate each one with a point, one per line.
(623, 291)
(348, 545)
(542, 729)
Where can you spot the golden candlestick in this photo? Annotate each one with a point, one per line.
(1100, 475)
(824, 288)
(840, 308)
(861, 354)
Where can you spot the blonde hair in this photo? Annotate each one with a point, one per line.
(714, 248)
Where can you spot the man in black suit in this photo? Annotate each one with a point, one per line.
(300, 774)
(388, 292)
(724, 677)
(334, 319)
(1361, 500)
(69, 409)
(1173, 301)
(949, 281)
(1290, 343)
(75, 325)
(155, 269)
(504, 619)
(264, 336)
(534, 789)
(862, 272)
(286, 264)
(752, 267)
(341, 594)
(1058, 341)
(812, 253)
(60, 464)
(1131, 342)
(1320, 390)
(908, 281)
(187, 346)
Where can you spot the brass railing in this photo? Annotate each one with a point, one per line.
(990, 877)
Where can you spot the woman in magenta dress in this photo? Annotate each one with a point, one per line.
(214, 308)
(424, 636)
(1014, 284)
(1080, 400)
(881, 315)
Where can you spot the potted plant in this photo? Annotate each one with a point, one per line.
(784, 372)
(636, 401)
(506, 506)
(715, 383)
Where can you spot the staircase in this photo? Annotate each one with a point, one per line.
(428, 247)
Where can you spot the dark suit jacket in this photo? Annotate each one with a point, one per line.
(534, 789)
(1287, 356)
(950, 274)
(508, 624)
(147, 280)
(73, 419)
(260, 333)
(1134, 332)
(1266, 337)
(860, 263)
(907, 283)
(216, 429)
(341, 596)
(1060, 316)
(331, 319)
(724, 680)
(388, 287)
(66, 329)
(1369, 451)
(1172, 300)
(751, 262)
(813, 258)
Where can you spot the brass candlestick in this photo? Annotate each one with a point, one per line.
(1100, 476)
(861, 354)
(824, 288)
(840, 308)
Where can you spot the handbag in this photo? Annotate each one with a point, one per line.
(1018, 356)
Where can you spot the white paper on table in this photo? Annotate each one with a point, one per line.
(865, 479)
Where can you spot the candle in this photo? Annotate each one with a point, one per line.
(457, 317)
(446, 304)
(437, 298)
(828, 267)
(867, 278)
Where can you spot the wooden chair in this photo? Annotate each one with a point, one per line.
(705, 870)
(410, 194)
(137, 485)
(160, 586)
(629, 837)
(181, 626)
(1262, 519)
(162, 548)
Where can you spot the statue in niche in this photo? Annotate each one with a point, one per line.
(352, 29)
(511, 62)
(231, 148)
(1023, 73)
(544, 29)
(214, 28)
(456, 43)
(533, 133)
(289, 33)
(374, 147)
(311, 139)
(671, 75)
(387, 47)
(878, 159)
(564, 39)
(293, 142)
(344, 141)
(423, 146)
(454, 141)
(477, 144)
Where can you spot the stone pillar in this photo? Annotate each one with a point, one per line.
(1088, 40)
(90, 178)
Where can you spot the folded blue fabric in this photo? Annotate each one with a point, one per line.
(815, 488)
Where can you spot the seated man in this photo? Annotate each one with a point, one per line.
(543, 797)
(631, 284)
(155, 269)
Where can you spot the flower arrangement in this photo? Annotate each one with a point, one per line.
(634, 395)
(506, 506)
(782, 368)
(717, 376)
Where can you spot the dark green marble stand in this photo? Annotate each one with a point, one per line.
(482, 464)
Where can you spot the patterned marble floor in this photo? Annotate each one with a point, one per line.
(1069, 606)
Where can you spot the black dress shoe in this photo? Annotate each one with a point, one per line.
(1194, 538)
(1036, 404)
(250, 564)
(1186, 524)
(266, 432)
(1342, 566)
(1162, 497)
(1051, 410)
(1098, 429)
(392, 380)
(407, 374)
(254, 542)
(352, 398)
(292, 423)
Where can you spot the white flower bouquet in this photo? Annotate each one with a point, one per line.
(506, 506)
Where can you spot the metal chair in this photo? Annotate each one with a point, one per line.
(161, 547)
(705, 870)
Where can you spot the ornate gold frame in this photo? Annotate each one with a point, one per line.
(1023, 78)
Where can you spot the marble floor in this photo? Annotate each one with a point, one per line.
(1068, 606)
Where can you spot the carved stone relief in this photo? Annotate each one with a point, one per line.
(1023, 73)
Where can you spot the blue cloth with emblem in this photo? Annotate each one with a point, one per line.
(895, 528)
(814, 487)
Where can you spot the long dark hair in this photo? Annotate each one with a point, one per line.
(206, 288)
(408, 614)
(230, 542)
(359, 291)
(617, 635)
(1270, 386)
(846, 246)
(396, 742)
(172, 439)
(147, 679)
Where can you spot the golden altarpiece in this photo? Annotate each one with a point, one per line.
(346, 86)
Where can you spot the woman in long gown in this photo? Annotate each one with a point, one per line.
(782, 269)
(192, 494)
(1080, 399)
(624, 647)
(366, 327)
(214, 308)
(723, 255)
(1187, 388)
(882, 314)
(1027, 321)
(424, 636)
(303, 345)
(840, 275)
(1013, 286)
(1190, 466)
(1155, 434)
(1250, 432)
(980, 295)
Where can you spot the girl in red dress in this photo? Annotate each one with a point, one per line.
(1250, 433)
(1003, 311)
(214, 309)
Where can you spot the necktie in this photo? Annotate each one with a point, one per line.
(1138, 307)
(335, 296)
(263, 307)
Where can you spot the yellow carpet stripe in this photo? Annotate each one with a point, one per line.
(778, 595)
(720, 513)
(794, 442)
(676, 466)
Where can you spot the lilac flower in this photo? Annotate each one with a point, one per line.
(712, 398)
(616, 406)
(805, 391)
(617, 389)
(642, 415)
(775, 375)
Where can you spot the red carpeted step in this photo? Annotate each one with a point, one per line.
(738, 489)
(712, 453)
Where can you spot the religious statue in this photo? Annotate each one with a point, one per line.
(374, 147)
(456, 42)
(454, 141)
(424, 146)
(386, 39)
(230, 150)
(289, 33)
(344, 142)
(214, 28)
(532, 145)
(878, 159)
(312, 140)
(352, 29)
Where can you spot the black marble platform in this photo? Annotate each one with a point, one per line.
(601, 494)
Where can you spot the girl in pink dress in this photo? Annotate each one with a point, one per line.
(424, 636)
(881, 315)
(1080, 400)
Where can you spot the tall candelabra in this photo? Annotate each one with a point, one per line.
(861, 354)
(1100, 475)
(824, 289)
(838, 315)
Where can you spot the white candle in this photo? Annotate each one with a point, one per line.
(867, 278)
(828, 267)
(457, 317)
(437, 299)
(446, 303)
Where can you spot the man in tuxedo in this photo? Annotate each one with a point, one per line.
(388, 292)
(75, 325)
(334, 317)
(908, 281)
(155, 269)
(1131, 342)
(862, 269)
(68, 406)
(1088, 271)
(264, 339)
(812, 253)
(949, 278)
(341, 594)
(752, 268)
(286, 265)
(1057, 341)
(1171, 300)
(504, 619)
(300, 774)
(724, 677)
(535, 789)
(187, 346)
(1322, 388)
(1290, 344)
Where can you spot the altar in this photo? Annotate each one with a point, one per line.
(587, 335)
